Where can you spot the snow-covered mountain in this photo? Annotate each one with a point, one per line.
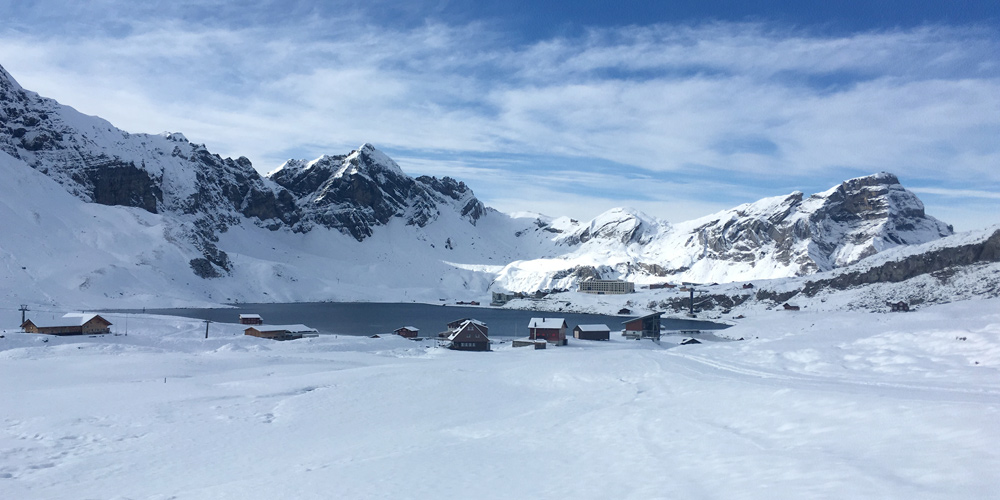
(771, 238)
(93, 214)
(206, 194)
(356, 192)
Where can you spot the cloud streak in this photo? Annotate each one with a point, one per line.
(757, 102)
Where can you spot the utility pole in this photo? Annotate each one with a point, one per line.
(207, 322)
(23, 309)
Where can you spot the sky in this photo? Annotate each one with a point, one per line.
(678, 109)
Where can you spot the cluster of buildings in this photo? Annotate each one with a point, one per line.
(466, 334)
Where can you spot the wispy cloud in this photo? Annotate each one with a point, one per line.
(713, 101)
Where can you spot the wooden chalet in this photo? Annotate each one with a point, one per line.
(69, 324)
(251, 319)
(551, 330)
(592, 332)
(281, 332)
(899, 306)
(410, 332)
(788, 306)
(470, 335)
(643, 327)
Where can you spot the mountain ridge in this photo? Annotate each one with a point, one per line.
(210, 209)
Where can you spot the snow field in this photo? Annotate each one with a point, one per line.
(812, 405)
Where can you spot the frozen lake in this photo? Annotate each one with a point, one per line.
(368, 318)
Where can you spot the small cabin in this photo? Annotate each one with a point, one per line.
(69, 324)
(551, 330)
(470, 335)
(251, 319)
(643, 327)
(899, 306)
(788, 306)
(592, 332)
(410, 332)
(281, 332)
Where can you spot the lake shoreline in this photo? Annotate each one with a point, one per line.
(371, 318)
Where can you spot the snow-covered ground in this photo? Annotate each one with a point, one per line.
(810, 405)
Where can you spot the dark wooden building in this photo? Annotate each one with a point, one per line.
(592, 332)
(643, 327)
(899, 306)
(410, 332)
(551, 330)
(788, 306)
(251, 319)
(470, 335)
(69, 324)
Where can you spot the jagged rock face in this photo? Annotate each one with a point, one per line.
(618, 224)
(986, 251)
(470, 207)
(858, 218)
(365, 189)
(158, 173)
(775, 237)
(103, 164)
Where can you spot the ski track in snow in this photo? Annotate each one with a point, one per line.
(165, 413)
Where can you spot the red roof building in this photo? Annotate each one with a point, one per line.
(552, 330)
(410, 332)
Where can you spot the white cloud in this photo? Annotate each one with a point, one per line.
(694, 100)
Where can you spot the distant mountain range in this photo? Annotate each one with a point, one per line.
(158, 218)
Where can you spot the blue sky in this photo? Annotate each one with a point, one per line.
(678, 108)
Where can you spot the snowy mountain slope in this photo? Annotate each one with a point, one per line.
(67, 251)
(167, 174)
(355, 226)
(960, 267)
(774, 237)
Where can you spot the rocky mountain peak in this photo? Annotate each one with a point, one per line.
(620, 224)
(356, 192)
(7, 82)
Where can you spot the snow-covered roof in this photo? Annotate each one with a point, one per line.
(656, 314)
(478, 326)
(546, 323)
(68, 319)
(410, 328)
(249, 316)
(593, 328)
(283, 328)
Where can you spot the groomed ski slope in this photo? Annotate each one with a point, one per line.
(810, 405)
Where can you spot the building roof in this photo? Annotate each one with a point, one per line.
(475, 325)
(68, 319)
(593, 328)
(249, 316)
(546, 323)
(410, 328)
(643, 317)
(283, 328)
